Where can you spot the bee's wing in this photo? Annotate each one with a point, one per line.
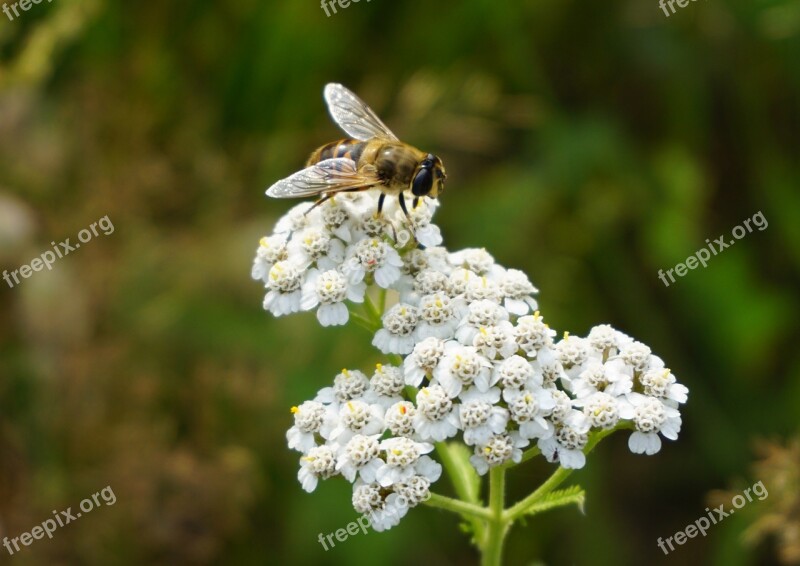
(353, 115)
(328, 176)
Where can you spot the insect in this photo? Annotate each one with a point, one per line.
(371, 158)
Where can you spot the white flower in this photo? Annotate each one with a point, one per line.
(415, 261)
(479, 314)
(283, 283)
(360, 456)
(477, 260)
(563, 406)
(271, 250)
(316, 245)
(415, 489)
(566, 445)
(428, 282)
(573, 353)
(432, 258)
(373, 256)
(347, 385)
(515, 372)
(532, 334)
(426, 233)
(460, 278)
(650, 417)
(423, 360)
(383, 512)
(399, 419)
(366, 497)
(335, 218)
(601, 409)
(528, 408)
(385, 386)
(398, 333)
(607, 340)
(299, 216)
(547, 365)
(481, 417)
(436, 418)
(498, 450)
(483, 366)
(307, 422)
(370, 225)
(352, 418)
(637, 355)
(482, 288)
(659, 382)
(320, 462)
(517, 290)
(404, 459)
(328, 290)
(463, 366)
(496, 341)
(439, 316)
(613, 377)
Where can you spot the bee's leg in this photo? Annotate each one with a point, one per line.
(381, 199)
(415, 203)
(319, 202)
(380, 203)
(402, 200)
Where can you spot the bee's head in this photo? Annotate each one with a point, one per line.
(429, 177)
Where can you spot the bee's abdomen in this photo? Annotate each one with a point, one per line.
(349, 148)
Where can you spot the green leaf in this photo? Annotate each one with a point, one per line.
(558, 498)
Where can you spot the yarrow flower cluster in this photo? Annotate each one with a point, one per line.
(470, 358)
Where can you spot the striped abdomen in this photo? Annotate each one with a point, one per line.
(349, 148)
(395, 162)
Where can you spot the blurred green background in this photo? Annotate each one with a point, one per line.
(589, 144)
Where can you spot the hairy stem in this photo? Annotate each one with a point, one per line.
(553, 481)
(458, 474)
(457, 506)
(492, 550)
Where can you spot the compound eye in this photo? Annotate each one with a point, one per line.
(422, 183)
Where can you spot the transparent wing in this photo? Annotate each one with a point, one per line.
(353, 115)
(328, 176)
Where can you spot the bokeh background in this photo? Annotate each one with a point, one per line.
(588, 143)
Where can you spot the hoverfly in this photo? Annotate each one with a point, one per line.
(371, 158)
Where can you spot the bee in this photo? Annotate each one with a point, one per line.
(371, 158)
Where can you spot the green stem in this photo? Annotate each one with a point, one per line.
(382, 300)
(553, 481)
(517, 510)
(454, 470)
(363, 322)
(458, 475)
(527, 455)
(492, 554)
(457, 506)
(372, 311)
